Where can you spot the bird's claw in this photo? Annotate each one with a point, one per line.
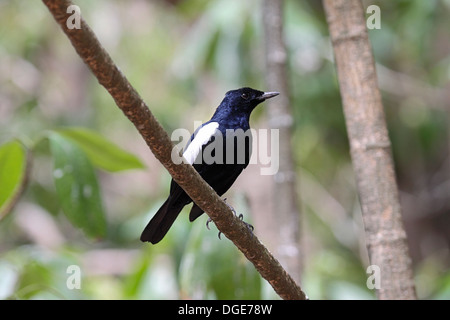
(207, 226)
(208, 222)
(229, 206)
(240, 216)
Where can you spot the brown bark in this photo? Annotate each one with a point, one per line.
(284, 195)
(129, 101)
(370, 148)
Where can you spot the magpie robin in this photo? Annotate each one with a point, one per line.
(208, 151)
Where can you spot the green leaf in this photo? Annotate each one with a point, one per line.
(76, 186)
(103, 153)
(13, 174)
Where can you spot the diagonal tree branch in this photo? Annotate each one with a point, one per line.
(128, 100)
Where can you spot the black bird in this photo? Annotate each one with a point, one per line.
(207, 151)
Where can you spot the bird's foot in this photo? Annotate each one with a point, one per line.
(240, 216)
(207, 226)
(248, 225)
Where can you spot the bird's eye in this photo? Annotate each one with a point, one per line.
(244, 96)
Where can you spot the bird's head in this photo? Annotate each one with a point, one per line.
(246, 99)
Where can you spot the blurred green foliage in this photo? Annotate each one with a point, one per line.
(13, 164)
(182, 56)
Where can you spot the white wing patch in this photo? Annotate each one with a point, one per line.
(201, 138)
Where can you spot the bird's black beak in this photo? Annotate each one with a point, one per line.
(268, 95)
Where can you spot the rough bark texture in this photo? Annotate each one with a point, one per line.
(129, 101)
(370, 148)
(284, 195)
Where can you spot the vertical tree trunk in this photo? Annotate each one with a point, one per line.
(287, 247)
(370, 148)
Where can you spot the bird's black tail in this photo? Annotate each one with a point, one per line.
(161, 222)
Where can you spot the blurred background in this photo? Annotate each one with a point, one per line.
(182, 56)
